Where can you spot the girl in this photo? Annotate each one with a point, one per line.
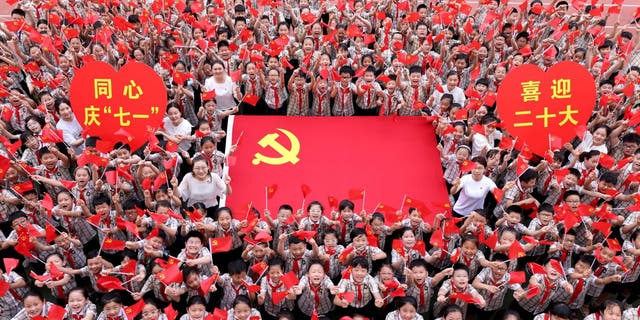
(403, 252)
(379, 229)
(407, 309)
(195, 254)
(212, 115)
(631, 248)
(12, 301)
(387, 283)
(112, 307)
(315, 290)
(150, 311)
(610, 310)
(469, 255)
(417, 224)
(226, 226)
(329, 252)
(347, 220)
(34, 306)
(192, 287)
(79, 306)
(315, 221)
(195, 309)
(72, 217)
(451, 312)
(210, 154)
(253, 80)
(60, 283)
(323, 91)
(473, 189)
(242, 310)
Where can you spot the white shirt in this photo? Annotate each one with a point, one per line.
(71, 131)
(472, 194)
(193, 190)
(184, 128)
(224, 92)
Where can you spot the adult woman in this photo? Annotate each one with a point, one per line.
(71, 129)
(200, 185)
(474, 188)
(176, 128)
(223, 86)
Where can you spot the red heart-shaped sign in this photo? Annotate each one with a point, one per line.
(104, 101)
(536, 105)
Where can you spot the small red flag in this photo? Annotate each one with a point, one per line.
(271, 190)
(113, 244)
(614, 245)
(516, 277)
(306, 190)
(108, 283)
(290, 279)
(347, 296)
(251, 99)
(532, 292)
(10, 264)
(259, 268)
(134, 310)
(606, 160)
(304, 235)
(277, 297)
(205, 285)
(220, 244)
(356, 194)
(536, 268)
(50, 232)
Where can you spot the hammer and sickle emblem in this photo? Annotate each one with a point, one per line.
(270, 140)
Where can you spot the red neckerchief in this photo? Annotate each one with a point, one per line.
(455, 290)
(316, 293)
(420, 287)
(494, 283)
(576, 291)
(467, 261)
(548, 287)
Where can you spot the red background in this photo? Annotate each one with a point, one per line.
(387, 157)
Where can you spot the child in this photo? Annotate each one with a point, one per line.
(213, 157)
(275, 91)
(420, 285)
(257, 253)
(11, 302)
(315, 290)
(610, 310)
(196, 309)
(329, 253)
(559, 311)
(59, 283)
(272, 283)
(195, 254)
(282, 224)
(315, 221)
(297, 256)
(404, 252)
(470, 256)
(132, 279)
(72, 217)
(343, 105)
(363, 285)
(452, 291)
(112, 308)
(360, 248)
(542, 227)
(347, 220)
(54, 165)
(242, 310)
(566, 248)
(299, 89)
(417, 223)
(368, 90)
(150, 311)
(519, 193)
(406, 309)
(581, 278)
(93, 269)
(391, 99)
(79, 306)
(387, 284)
(226, 226)
(550, 284)
(379, 229)
(34, 305)
(323, 91)
(492, 283)
(153, 284)
(235, 284)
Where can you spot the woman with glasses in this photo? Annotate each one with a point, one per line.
(200, 185)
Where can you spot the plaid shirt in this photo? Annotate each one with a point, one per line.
(580, 288)
(121, 316)
(87, 193)
(332, 267)
(634, 271)
(418, 230)
(495, 301)
(564, 256)
(85, 272)
(630, 220)
(158, 288)
(409, 255)
(318, 297)
(22, 314)
(219, 232)
(11, 302)
(367, 252)
(514, 194)
(343, 105)
(344, 231)
(535, 225)
(422, 293)
(452, 169)
(58, 173)
(631, 314)
(299, 100)
(88, 309)
(448, 289)
(77, 226)
(308, 225)
(231, 291)
(368, 99)
(472, 262)
(282, 228)
(73, 255)
(61, 292)
(444, 261)
(302, 262)
(204, 269)
(130, 285)
(602, 271)
(548, 291)
(395, 315)
(109, 221)
(267, 287)
(363, 292)
(272, 91)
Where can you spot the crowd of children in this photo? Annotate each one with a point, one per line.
(94, 230)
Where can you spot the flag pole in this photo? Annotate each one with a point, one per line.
(364, 197)
(404, 198)
(266, 197)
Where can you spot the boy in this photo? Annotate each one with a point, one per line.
(235, 283)
(581, 278)
(360, 248)
(420, 285)
(548, 286)
(367, 90)
(364, 287)
(343, 105)
(493, 283)
(297, 256)
(566, 248)
(54, 165)
(519, 194)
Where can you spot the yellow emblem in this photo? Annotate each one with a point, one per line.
(270, 140)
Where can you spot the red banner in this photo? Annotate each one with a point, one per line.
(546, 108)
(105, 100)
(282, 159)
